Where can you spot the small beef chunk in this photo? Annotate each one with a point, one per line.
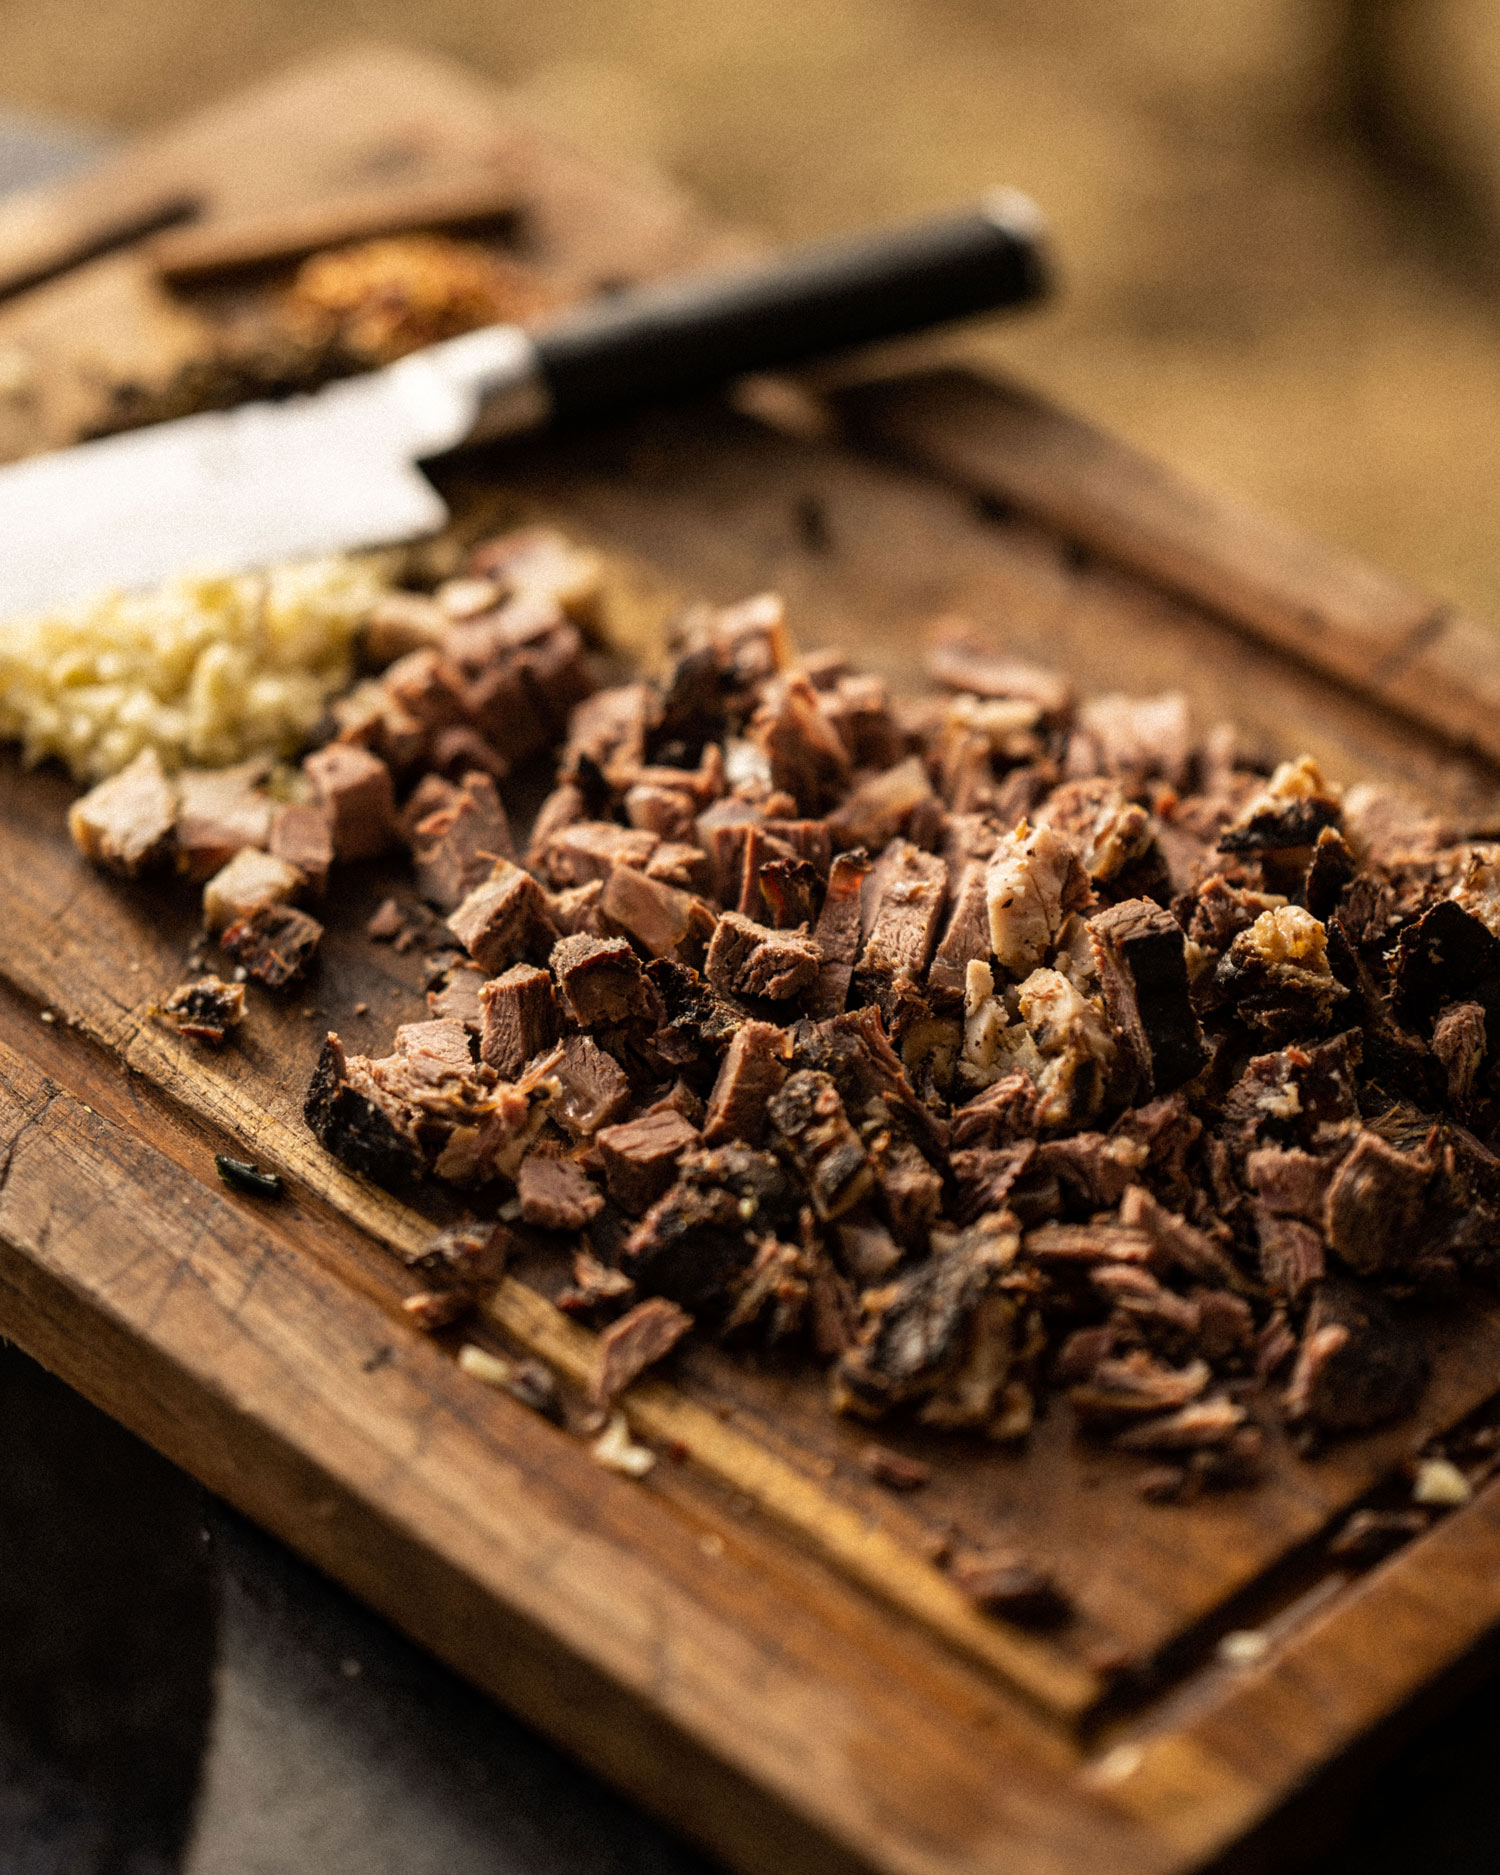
(635, 1342)
(837, 934)
(302, 837)
(504, 920)
(126, 822)
(555, 1193)
(1375, 1205)
(603, 984)
(1004, 1111)
(1138, 951)
(1447, 956)
(961, 657)
(1297, 1097)
(749, 959)
(985, 1175)
(1134, 1387)
(806, 757)
(1292, 1261)
(594, 1087)
(906, 895)
(1094, 1168)
(274, 945)
(519, 1019)
(788, 890)
(882, 806)
(252, 881)
(640, 1157)
(692, 1246)
(1291, 1183)
(809, 1117)
(355, 1124)
(353, 787)
(454, 847)
(943, 1337)
(1459, 1042)
(1358, 1366)
(591, 849)
(1292, 809)
(1331, 868)
(753, 1069)
(662, 920)
(219, 811)
(1177, 1244)
(453, 995)
(965, 940)
(1277, 976)
(206, 1009)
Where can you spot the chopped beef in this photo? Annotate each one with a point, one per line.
(635, 1342)
(504, 920)
(906, 893)
(274, 944)
(518, 1018)
(809, 1118)
(915, 1039)
(602, 983)
(1358, 1365)
(1008, 1583)
(1138, 950)
(1459, 1041)
(302, 837)
(219, 811)
(353, 787)
(126, 823)
(660, 918)
(555, 1193)
(752, 1071)
(749, 959)
(205, 1009)
(1375, 1203)
(640, 1157)
(454, 847)
(594, 1088)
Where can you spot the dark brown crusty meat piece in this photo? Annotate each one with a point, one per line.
(1012, 1584)
(126, 822)
(635, 1342)
(806, 757)
(454, 847)
(1374, 1206)
(356, 1123)
(752, 1071)
(1277, 977)
(942, 1338)
(301, 835)
(603, 984)
(809, 1119)
(1299, 1096)
(518, 1018)
(555, 1193)
(698, 1243)
(205, 1009)
(749, 959)
(1357, 1366)
(699, 1022)
(1447, 956)
(275, 944)
(1138, 951)
(640, 1157)
(504, 920)
(353, 787)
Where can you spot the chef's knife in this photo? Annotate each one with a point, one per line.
(337, 470)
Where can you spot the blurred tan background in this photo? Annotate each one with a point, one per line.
(1280, 219)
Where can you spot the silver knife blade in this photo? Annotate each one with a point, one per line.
(229, 490)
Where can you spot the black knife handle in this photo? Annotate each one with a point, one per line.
(669, 340)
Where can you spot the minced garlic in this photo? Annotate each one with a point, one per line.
(202, 670)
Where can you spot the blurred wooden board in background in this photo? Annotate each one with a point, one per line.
(752, 1641)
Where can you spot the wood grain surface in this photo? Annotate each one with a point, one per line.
(752, 1640)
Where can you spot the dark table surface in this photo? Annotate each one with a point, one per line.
(180, 1695)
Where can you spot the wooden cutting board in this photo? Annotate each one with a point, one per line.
(752, 1640)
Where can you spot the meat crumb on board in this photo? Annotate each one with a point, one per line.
(991, 1051)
